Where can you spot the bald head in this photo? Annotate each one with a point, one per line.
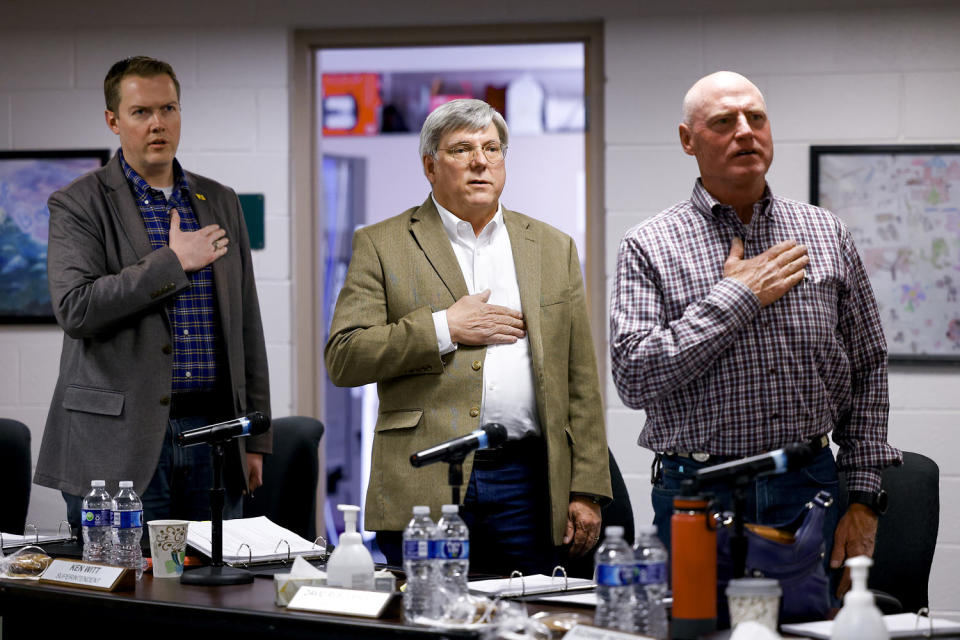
(705, 90)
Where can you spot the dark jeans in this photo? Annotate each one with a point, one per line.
(774, 500)
(507, 511)
(180, 487)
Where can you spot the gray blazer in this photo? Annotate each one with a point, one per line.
(109, 286)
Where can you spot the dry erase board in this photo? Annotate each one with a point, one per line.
(902, 205)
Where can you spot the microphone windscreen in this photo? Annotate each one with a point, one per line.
(259, 423)
(496, 434)
(799, 455)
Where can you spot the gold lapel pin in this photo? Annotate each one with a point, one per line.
(200, 196)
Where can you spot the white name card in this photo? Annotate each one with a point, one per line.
(586, 632)
(88, 575)
(350, 602)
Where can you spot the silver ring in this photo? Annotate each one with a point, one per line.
(216, 245)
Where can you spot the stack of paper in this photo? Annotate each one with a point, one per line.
(252, 540)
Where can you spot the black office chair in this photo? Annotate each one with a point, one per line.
(14, 474)
(618, 511)
(289, 492)
(906, 534)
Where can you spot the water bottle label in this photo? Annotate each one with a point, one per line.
(96, 518)
(453, 549)
(127, 519)
(653, 573)
(416, 549)
(616, 575)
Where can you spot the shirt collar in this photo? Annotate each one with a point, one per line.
(140, 187)
(708, 205)
(451, 223)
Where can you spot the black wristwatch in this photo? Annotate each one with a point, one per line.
(876, 501)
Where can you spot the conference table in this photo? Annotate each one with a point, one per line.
(165, 608)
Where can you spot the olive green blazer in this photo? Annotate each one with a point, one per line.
(404, 269)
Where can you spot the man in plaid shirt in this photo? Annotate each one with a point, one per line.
(741, 322)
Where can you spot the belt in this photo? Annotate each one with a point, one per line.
(816, 443)
(509, 451)
(195, 403)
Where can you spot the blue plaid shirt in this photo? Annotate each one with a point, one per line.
(191, 313)
(717, 373)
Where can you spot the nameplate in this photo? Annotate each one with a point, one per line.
(88, 575)
(586, 632)
(349, 602)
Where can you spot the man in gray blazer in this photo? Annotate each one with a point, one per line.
(152, 282)
(464, 313)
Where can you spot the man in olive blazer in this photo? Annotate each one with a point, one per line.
(112, 294)
(405, 269)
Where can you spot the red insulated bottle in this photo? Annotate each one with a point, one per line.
(693, 551)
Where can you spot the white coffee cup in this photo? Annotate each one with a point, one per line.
(168, 546)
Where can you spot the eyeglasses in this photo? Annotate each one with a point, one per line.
(464, 153)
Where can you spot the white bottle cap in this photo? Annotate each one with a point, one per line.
(613, 532)
(450, 508)
(126, 484)
(421, 510)
(97, 483)
(647, 529)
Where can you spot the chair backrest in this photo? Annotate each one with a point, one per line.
(907, 533)
(288, 494)
(14, 474)
(619, 511)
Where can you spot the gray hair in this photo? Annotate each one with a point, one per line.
(469, 114)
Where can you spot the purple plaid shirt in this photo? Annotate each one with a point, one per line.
(715, 372)
(191, 314)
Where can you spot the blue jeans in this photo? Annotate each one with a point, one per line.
(508, 513)
(180, 487)
(775, 500)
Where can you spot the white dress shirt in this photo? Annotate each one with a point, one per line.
(487, 263)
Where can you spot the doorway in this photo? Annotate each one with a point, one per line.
(366, 106)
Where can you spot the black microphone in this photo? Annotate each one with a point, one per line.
(250, 425)
(489, 436)
(789, 458)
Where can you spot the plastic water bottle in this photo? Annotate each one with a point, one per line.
(616, 579)
(651, 587)
(128, 528)
(453, 555)
(420, 596)
(96, 522)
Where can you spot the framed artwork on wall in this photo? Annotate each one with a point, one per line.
(27, 178)
(902, 205)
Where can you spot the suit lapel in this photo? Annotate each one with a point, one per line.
(526, 258)
(125, 208)
(207, 216)
(427, 229)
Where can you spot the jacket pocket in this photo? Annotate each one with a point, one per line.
(391, 420)
(88, 400)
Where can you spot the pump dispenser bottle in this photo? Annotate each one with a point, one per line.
(859, 619)
(350, 565)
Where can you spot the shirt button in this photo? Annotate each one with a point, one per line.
(186, 332)
(476, 365)
(774, 416)
(474, 412)
(167, 349)
(165, 400)
(188, 374)
(772, 370)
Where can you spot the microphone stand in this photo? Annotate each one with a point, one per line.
(217, 573)
(455, 474)
(738, 541)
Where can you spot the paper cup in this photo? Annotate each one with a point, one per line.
(756, 599)
(168, 545)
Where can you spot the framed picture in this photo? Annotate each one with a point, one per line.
(27, 178)
(902, 205)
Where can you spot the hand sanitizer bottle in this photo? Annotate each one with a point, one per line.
(859, 619)
(350, 565)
